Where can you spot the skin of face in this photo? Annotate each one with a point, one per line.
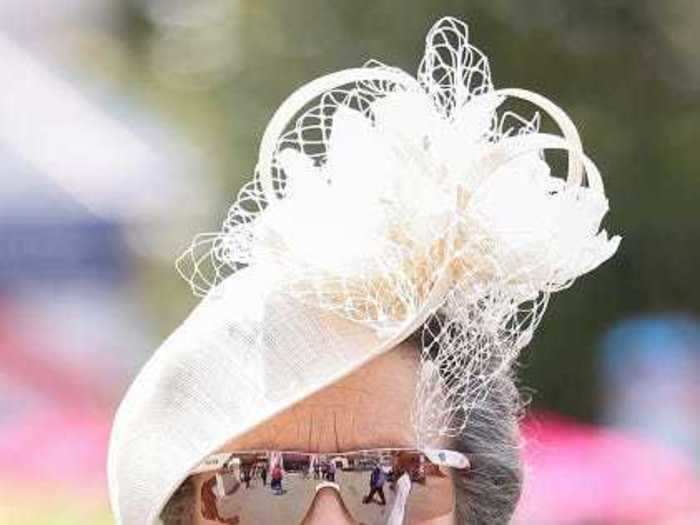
(369, 408)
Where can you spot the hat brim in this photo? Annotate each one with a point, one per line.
(244, 354)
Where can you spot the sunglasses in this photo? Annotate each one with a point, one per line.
(371, 487)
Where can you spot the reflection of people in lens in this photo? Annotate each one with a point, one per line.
(330, 473)
(376, 485)
(276, 483)
(263, 475)
(245, 475)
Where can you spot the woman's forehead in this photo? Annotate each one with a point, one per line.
(369, 408)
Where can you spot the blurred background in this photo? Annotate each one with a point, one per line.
(127, 126)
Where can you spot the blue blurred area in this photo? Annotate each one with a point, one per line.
(650, 369)
(47, 251)
(45, 234)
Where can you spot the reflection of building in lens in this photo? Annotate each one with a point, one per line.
(296, 462)
(341, 462)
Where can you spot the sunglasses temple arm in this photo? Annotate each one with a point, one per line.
(447, 458)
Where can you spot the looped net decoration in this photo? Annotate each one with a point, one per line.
(388, 199)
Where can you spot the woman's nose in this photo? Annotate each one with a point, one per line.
(328, 508)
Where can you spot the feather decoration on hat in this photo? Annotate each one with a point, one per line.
(386, 198)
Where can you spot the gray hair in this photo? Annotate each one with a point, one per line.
(488, 493)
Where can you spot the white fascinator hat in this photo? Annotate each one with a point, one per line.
(382, 204)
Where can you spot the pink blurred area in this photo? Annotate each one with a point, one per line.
(584, 474)
(67, 447)
(56, 413)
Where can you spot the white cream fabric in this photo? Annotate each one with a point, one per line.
(245, 353)
(380, 201)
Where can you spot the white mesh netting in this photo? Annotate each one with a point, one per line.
(386, 198)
